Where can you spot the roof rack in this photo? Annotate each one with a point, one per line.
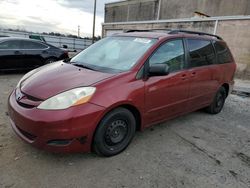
(193, 32)
(136, 30)
(175, 31)
(147, 30)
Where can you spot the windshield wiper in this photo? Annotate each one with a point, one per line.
(82, 66)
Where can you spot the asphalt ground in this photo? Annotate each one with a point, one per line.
(194, 150)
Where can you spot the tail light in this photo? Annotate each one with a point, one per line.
(66, 54)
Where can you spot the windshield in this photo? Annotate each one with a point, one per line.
(113, 54)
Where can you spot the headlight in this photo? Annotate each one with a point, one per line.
(26, 76)
(68, 98)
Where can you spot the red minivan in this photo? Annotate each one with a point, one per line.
(123, 83)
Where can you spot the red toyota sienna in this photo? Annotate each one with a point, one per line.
(123, 83)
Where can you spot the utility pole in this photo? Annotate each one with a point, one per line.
(93, 33)
(159, 10)
(78, 31)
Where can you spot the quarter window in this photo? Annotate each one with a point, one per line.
(170, 53)
(201, 53)
(223, 53)
(10, 45)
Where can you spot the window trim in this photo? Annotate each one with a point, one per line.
(145, 66)
(215, 51)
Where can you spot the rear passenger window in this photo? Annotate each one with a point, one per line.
(32, 45)
(223, 53)
(170, 53)
(201, 53)
(10, 45)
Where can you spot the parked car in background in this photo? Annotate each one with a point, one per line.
(42, 39)
(118, 85)
(20, 54)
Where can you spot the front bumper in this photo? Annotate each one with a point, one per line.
(69, 130)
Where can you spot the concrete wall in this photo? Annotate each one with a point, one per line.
(234, 32)
(237, 35)
(138, 10)
(147, 11)
(116, 13)
(131, 10)
(172, 9)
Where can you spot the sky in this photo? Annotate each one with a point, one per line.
(62, 16)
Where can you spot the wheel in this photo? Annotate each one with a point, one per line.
(50, 60)
(115, 132)
(218, 102)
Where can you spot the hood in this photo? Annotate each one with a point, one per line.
(55, 78)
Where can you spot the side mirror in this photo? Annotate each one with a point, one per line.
(158, 69)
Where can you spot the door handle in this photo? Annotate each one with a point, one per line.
(193, 74)
(183, 76)
(17, 53)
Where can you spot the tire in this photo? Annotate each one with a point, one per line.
(50, 60)
(218, 102)
(114, 133)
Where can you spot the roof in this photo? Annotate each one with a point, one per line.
(18, 38)
(2, 39)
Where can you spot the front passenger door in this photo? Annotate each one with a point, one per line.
(166, 96)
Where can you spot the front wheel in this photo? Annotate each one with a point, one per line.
(115, 132)
(218, 102)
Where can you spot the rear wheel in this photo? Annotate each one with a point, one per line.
(114, 132)
(218, 102)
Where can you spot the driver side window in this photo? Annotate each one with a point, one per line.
(170, 53)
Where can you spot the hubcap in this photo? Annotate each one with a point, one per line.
(116, 132)
(219, 101)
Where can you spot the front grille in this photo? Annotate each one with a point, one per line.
(26, 100)
(26, 134)
(25, 105)
(31, 97)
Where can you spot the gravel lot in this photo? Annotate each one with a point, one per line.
(195, 150)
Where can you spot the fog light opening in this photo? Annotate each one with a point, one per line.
(61, 142)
